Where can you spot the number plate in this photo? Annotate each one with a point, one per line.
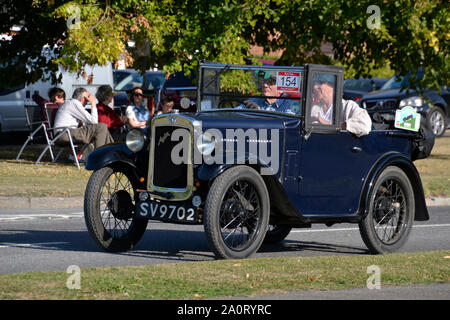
(167, 211)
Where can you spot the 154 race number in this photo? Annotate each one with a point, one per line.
(288, 81)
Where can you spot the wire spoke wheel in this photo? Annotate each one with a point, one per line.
(391, 212)
(117, 205)
(109, 205)
(236, 213)
(240, 215)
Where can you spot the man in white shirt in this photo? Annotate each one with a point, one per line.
(354, 119)
(84, 126)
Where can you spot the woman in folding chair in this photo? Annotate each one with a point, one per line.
(83, 126)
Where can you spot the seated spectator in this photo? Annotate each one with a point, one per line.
(167, 104)
(84, 126)
(137, 114)
(56, 95)
(107, 115)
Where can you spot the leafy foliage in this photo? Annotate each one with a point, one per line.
(176, 35)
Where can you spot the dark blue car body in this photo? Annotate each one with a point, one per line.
(323, 175)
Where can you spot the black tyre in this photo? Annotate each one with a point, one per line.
(276, 233)
(391, 212)
(109, 205)
(436, 121)
(236, 213)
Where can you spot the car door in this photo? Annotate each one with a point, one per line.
(332, 161)
(332, 171)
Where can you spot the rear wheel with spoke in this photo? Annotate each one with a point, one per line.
(236, 213)
(391, 212)
(109, 206)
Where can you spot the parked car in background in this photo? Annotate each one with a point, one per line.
(14, 99)
(126, 80)
(354, 88)
(433, 106)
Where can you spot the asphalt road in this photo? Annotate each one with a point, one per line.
(54, 239)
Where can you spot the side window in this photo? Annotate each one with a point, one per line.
(323, 97)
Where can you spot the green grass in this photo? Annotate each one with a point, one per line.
(434, 170)
(221, 278)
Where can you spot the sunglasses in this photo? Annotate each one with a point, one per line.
(138, 95)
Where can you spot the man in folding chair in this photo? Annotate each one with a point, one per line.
(83, 126)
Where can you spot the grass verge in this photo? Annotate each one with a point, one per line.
(230, 277)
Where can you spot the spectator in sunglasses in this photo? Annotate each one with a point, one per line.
(137, 113)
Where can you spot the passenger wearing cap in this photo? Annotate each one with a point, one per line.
(271, 100)
(354, 118)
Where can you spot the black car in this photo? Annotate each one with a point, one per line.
(249, 176)
(354, 88)
(434, 107)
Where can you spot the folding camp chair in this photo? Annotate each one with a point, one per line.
(54, 135)
(36, 123)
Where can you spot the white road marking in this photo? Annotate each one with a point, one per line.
(16, 217)
(357, 229)
(30, 245)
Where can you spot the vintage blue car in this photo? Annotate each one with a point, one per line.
(253, 162)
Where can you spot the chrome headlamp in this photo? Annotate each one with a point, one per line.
(205, 143)
(135, 140)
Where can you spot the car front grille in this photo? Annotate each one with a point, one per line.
(170, 175)
(166, 173)
(374, 105)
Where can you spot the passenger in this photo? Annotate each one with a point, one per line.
(137, 114)
(84, 126)
(271, 100)
(107, 115)
(353, 119)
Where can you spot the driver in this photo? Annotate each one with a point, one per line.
(271, 100)
(354, 119)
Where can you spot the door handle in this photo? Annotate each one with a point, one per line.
(356, 149)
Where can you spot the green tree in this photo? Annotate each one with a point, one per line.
(176, 35)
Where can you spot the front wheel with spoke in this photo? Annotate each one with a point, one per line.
(236, 213)
(391, 212)
(109, 205)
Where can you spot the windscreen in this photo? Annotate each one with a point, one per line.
(265, 88)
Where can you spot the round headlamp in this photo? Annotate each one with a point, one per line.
(205, 143)
(135, 140)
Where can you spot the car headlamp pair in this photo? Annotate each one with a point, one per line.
(414, 101)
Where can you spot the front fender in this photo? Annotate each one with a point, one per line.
(109, 154)
(394, 159)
